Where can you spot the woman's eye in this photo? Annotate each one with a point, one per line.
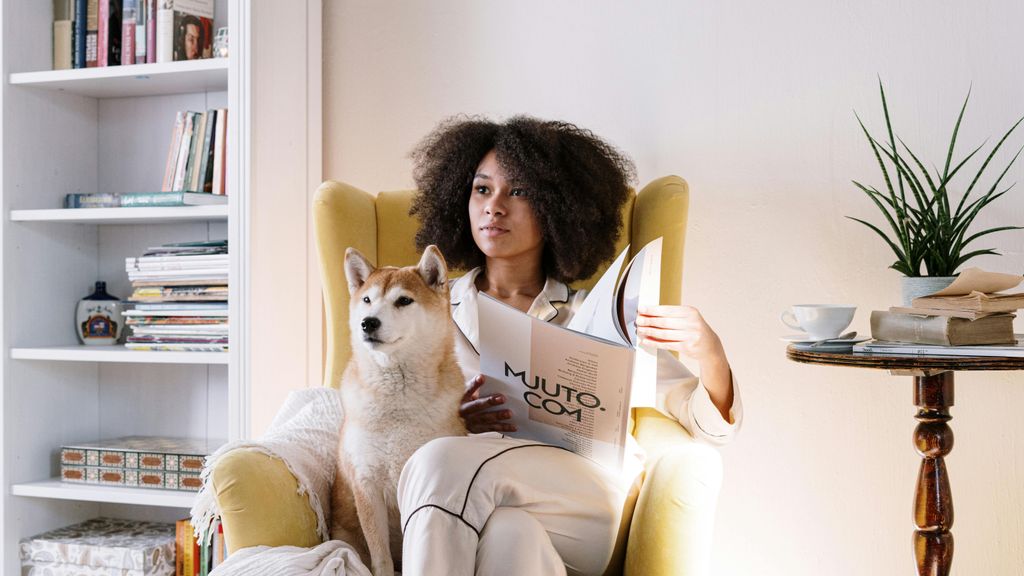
(403, 301)
(481, 189)
(517, 192)
(366, 299)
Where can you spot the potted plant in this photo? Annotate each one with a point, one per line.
(929, 230)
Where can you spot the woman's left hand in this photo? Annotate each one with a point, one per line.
(679, 328)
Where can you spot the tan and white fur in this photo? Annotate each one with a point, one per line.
(400, 390)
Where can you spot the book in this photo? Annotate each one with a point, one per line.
(572, 388)
(202, 183)
(129, 18)
(150, 31)
(968, 314)
(63, 34)
(171, 199)
(80, 32)
(92, 23)
(941, 330)
(142, 199)
(978, 291)
(109, 33)
(92, 201)
(1015, 350)
(184, 30)
(172, 152)
(974, 301)
(219, 152)
(184, 146)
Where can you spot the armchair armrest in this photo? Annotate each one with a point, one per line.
(675, 513)
(259, 502)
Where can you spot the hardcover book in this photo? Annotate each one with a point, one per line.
(978, 291)
(184, 30)
(942, 330)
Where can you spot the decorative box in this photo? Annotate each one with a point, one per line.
(138, 461)
(104, 546)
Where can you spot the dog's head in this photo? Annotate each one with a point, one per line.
(396, 310)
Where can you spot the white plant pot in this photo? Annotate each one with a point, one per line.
(917, 286)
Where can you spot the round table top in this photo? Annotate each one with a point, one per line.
(955, 363)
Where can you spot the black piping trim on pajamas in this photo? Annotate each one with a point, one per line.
(442, 509)
(465, 501)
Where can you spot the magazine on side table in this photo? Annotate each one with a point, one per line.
(573, 386)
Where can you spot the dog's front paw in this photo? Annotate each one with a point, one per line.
(383, 569)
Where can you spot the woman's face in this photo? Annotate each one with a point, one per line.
(502, 220)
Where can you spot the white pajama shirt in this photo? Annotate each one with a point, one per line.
(487, 504)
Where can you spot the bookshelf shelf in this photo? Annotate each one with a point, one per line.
(134, 80)
(155, 215)
(56, 489)
(116, 354)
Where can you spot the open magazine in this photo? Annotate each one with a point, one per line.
(573, 386)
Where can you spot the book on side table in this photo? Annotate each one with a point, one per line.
(942, 330)
(1015, 350)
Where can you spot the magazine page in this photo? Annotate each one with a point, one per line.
(641, 286)
(610, 310)
(563, 388)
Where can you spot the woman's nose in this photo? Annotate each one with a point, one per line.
(495, 205)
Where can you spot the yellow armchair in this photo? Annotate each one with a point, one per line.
(672, 523)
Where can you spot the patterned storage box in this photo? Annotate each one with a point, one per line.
(102, 546)
(138, 461)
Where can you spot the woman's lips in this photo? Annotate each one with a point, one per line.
(492, 231)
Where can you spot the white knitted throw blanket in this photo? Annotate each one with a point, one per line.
(332, 558)
(304, 434)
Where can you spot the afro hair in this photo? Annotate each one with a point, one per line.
(577, 185)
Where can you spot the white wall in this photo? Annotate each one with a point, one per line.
(753, 104)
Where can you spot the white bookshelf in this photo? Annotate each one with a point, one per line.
(155, 215)
(104, 130)
(117, 354)
(55, 489)
(136, 80)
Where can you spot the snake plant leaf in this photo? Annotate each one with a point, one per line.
(969, 255)
(892, 222)
(984, 165)
(892, 139)
(895, 248)
(878, 157)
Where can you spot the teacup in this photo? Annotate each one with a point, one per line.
(819, 321)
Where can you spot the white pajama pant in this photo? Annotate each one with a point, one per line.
(489, 505)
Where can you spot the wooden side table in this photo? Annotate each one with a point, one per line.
(933, 438)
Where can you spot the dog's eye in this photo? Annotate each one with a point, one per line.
(366, 299)
(403, 301)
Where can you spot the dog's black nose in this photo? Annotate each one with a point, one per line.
(370, 324)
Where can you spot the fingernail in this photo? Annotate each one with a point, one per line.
(498, 398)
(643, 309)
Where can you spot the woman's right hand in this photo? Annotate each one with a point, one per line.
(477, 413)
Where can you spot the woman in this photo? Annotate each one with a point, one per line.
(531, 206)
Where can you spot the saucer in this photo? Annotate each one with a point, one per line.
(832, 346)
(803, 338)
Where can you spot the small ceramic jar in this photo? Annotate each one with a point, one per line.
(98, 319)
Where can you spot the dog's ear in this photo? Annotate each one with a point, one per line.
(433, 269)
(357, 269)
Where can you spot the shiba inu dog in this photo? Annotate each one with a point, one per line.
(400, 390)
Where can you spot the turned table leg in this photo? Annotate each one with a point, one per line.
(933, 501)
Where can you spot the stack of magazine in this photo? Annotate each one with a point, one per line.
(180, 297)
(971, 317)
